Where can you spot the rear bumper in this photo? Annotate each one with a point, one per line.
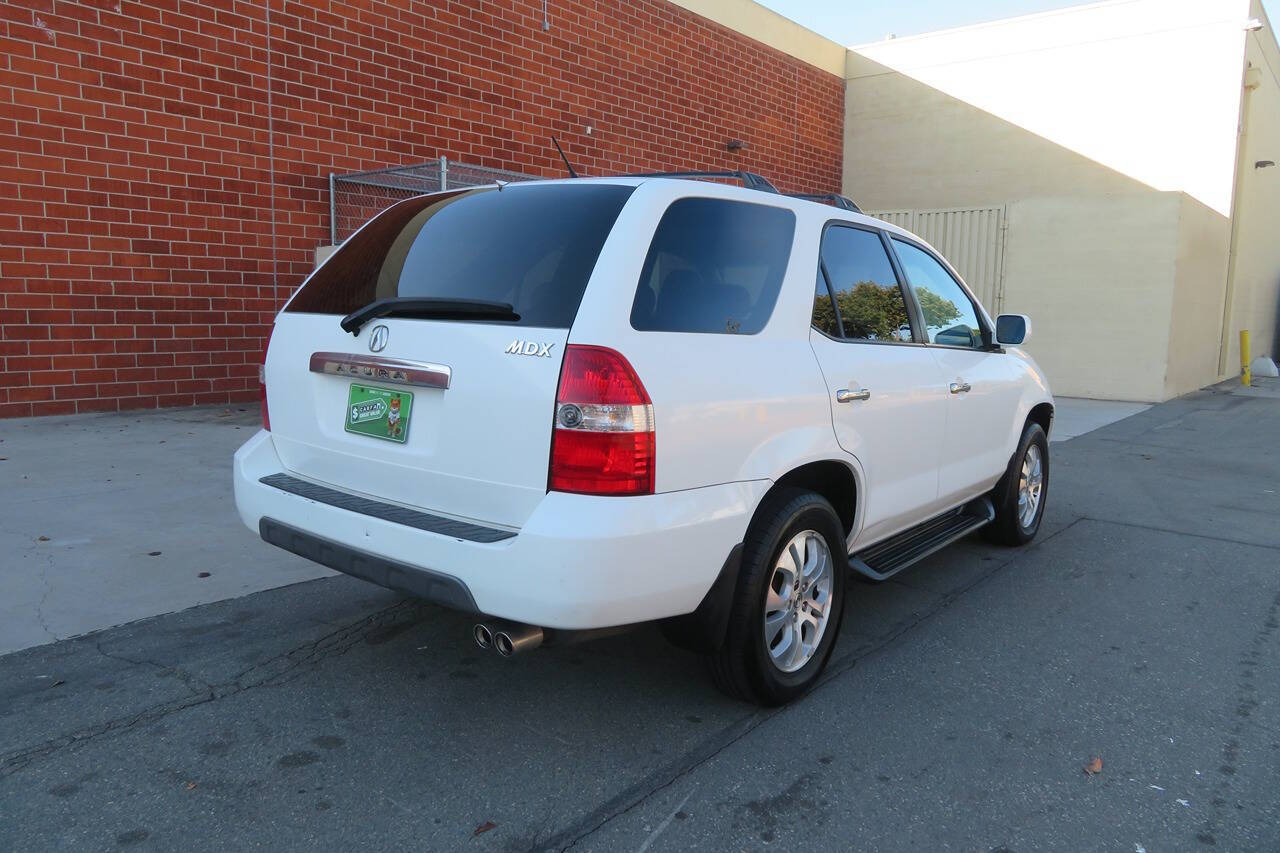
(578, 562)
(413, 580)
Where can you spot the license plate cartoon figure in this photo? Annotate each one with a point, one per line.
(393, 417)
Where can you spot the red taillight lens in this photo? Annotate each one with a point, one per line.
(262, 387)
(603, 441)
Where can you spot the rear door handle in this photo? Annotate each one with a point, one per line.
(844, 395)
(960, 387)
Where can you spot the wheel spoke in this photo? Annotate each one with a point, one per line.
(774, 603)
(786, 642)
(817, 566)
(796, 653)
(797, 558)
(773, 626)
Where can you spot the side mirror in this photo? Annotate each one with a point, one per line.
(1012, 329)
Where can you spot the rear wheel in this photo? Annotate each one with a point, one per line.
(1019, 497)
(789, 601)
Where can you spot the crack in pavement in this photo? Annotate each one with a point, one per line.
(194, 684)
(34, 551)
(1246, 703)
(270, 673)
(1153, 529)
(658, 781)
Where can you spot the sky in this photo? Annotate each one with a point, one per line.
(858, 21)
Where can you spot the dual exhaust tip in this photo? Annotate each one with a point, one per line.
(507, 638)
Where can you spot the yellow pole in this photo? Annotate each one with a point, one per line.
(1245, 377)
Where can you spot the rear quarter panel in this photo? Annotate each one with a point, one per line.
(726, 407)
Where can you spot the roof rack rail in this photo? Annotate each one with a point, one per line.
(750, 180)
(841, 201)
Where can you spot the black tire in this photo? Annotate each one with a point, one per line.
(1008, 527)
(743, 667)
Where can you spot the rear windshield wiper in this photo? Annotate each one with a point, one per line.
(434, 307)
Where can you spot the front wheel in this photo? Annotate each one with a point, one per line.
(789, 601)
(1019, 497)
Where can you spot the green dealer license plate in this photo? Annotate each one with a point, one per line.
(379, 413)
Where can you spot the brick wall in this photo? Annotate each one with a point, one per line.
(163, 165)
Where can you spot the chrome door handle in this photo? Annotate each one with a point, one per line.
(960, 387)
(844, 395)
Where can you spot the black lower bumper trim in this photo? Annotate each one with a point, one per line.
(387, 512)
(423, 583)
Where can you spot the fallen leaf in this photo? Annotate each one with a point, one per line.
(484, 827)
(191, 786)
(42, 538)
(1094, 767)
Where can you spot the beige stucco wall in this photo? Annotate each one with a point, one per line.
(1095, 274)
(1145, 88)
(1198, 292)
(768, 27)
(1256, 303)
(1109, 132)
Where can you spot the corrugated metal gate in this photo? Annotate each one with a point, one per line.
(971, 238)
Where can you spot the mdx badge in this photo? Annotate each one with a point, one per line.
(519, 347)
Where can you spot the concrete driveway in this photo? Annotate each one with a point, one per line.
(963, 701)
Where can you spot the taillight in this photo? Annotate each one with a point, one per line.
(603, 439)
(262, 386)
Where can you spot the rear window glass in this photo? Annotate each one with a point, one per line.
(532, 246)
(713, 266)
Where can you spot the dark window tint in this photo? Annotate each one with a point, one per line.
(824, 310)
(949, 316)
(713, 266)
(531, 246)
(871, 304)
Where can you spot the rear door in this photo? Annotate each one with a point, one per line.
(887, 396)
(439, 408)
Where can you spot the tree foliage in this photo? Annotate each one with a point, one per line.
(874, 312)
(938, 312)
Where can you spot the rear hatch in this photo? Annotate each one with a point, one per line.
(443, 397)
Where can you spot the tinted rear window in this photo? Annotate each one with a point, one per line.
(713, 266)
(532, 246)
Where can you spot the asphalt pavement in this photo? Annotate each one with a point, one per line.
(963, 702)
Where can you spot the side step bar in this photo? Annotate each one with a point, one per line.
(885, 559)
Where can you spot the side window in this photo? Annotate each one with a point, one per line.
(949, 315)
(824, 310)
(868, 298)
(713, 266)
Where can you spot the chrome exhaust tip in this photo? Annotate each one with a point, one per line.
(483, 635)
(513, 639)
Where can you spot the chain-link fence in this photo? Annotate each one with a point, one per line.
(355, 197)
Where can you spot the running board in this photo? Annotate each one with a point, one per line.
(885, 559)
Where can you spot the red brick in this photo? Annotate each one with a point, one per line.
(142, 237)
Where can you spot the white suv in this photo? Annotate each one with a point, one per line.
(571, 406)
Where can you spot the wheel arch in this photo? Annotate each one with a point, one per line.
(1041, 413)
(835, 480)
(838, 480)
